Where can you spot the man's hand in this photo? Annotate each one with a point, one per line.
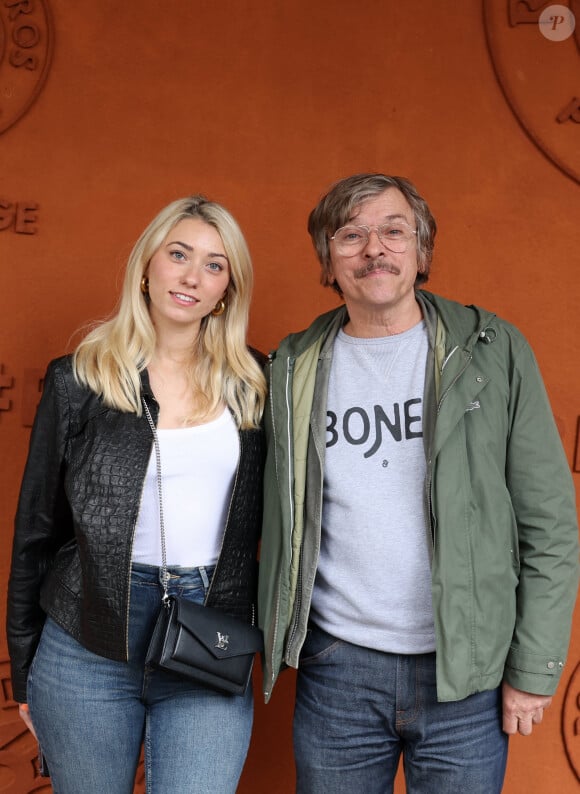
(522, 710)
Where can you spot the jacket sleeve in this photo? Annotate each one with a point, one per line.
(42, 525)
(543, 497)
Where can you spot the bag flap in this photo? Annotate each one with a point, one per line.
(223, 635)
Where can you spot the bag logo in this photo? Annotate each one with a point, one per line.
(223, 640)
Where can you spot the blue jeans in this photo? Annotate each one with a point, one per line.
(358, 710)
(92, 714)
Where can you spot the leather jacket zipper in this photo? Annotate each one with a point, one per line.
(128, 607)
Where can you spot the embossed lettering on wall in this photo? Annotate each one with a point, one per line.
(26, 39)
(19, 216)
(31, 383)
(571, 112)
(524, 12)
(539, 77)
(6, 382)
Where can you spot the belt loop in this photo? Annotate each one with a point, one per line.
(204, 576)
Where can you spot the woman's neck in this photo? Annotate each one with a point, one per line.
(170, 379)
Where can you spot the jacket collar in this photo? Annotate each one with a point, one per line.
(325, 326)
(145, 384)
(462, 325)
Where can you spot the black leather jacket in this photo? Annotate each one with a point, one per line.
(76, 517)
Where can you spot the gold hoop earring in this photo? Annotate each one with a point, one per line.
(145, 285)
(220, 308)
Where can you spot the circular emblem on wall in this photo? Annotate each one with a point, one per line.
(571, 721)
(26, 38)
(535, 50)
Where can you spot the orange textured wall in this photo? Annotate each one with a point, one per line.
(110, 110)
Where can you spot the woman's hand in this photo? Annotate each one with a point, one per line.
(23, 711)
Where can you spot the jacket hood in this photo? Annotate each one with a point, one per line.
(464, 325)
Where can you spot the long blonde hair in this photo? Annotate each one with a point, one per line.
(112, 355)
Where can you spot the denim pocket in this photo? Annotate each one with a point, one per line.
(318, 645)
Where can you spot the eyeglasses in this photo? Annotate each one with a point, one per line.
(396, 236)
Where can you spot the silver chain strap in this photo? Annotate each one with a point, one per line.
(164, 571)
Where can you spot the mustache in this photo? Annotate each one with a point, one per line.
(378, 266)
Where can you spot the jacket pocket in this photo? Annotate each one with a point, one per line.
(64, 572)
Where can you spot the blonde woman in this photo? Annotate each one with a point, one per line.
(84, 587)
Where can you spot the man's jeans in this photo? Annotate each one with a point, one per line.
(358, 710)
(91, 714)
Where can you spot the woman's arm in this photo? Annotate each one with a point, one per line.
(42, 519)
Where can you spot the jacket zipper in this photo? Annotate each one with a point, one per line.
(455, 379)
(289, 366)
(130, 560)
(439, 404)
(270, 654)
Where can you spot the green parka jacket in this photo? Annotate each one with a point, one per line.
(503, 534)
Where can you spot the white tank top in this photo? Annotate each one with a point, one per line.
(198, 466)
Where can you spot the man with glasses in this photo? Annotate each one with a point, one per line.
(419, 559)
